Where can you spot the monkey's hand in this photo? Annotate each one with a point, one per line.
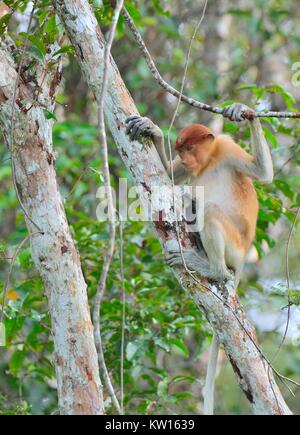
(138, 126)
(198, 262)
(238, 112)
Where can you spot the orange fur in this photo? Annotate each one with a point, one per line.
(202, 152)
(194, 134)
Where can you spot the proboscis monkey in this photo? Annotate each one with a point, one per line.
(226, 171)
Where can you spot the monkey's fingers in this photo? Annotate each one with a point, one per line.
(174, 258)
(228, 111)
(145, 128)
(239, 112)
(175, 262)
(132, 123)
(135, 130)
(171, 253)
(141, 127)
(236, 112)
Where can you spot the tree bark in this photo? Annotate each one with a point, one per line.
(219, 303)
(53, 250)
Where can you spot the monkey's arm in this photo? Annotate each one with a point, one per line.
(138, 126)
(260, 165)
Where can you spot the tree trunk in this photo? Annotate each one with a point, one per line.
(219, 303)
(53, 250)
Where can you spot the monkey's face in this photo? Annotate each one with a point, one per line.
(195, 147)
(188, 157)
(196, 157)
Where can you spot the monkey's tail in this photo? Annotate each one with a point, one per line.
(209, 389)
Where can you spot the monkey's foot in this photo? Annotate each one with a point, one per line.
(194, 261)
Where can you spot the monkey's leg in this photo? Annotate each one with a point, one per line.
(194, 260)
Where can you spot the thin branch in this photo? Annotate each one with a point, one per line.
(288, 160)
(171, 90)
(111, 212)
(83, 172)
(199, 105)
(172, 124)
(288, 282)
(287, 269)
(272, 361)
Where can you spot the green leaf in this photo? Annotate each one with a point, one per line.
(38, 44)
(16, 361)
(162, 389)
(132, 350)
(163, 344)
(4, 22)
(66, 49)
(247, 13)
(49, 115)
(25, 259)
(287, 96)
(270, 137)
(189, 379)
(51, 29)
(37, 54)
(180, 346)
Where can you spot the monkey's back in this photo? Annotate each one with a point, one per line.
(232, 191)
(246, 207)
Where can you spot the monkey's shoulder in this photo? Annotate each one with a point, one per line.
(226, 148)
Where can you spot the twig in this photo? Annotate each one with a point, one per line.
(288, 281)
(111, 211)
(272, 361)
(171, 90)
(288, 288)
(288, 160)
(83, 172)
(13, 119)
(171, 126)
(123, 313)
(217, 110)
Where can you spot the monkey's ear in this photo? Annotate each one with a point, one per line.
(211, 136)
(179, 142)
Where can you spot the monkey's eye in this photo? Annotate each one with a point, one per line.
(189, 148)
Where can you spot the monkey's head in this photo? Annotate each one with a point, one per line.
(195, 145)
